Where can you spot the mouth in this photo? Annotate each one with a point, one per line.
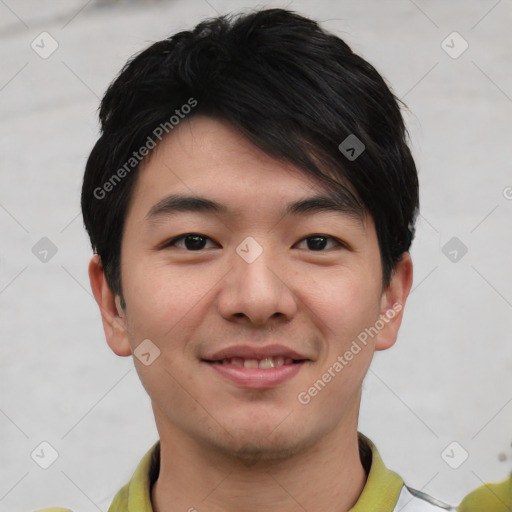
(265, 373)
(261, 364)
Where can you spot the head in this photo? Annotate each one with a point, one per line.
(250, 113)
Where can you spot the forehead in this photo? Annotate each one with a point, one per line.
(207, 166)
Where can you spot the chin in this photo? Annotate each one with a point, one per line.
(253, 453)
(262, 444)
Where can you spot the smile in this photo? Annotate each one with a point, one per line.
(268, 362)
(257, 374)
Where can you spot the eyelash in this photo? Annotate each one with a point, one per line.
(172, 242)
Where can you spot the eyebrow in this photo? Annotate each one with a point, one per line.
(178, 203)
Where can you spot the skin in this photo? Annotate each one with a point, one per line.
(224, 447)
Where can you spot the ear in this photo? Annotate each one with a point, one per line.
(112, 315)
(393, 302)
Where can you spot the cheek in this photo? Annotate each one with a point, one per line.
(159, 296)
(167, 303)
(344, 303)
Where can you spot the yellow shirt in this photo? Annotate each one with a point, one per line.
(384, 490)
(489, 498)
(381, 490)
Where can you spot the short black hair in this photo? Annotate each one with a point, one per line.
(293, 89)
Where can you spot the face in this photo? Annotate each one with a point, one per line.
(223, 295)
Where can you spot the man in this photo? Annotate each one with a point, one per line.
(251, 203)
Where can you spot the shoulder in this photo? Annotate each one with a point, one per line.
(491, 497)
(411, 500)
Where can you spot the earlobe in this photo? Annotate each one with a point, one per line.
(393, 302)
(112, 315)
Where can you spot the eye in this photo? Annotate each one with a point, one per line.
(192, 241)
(318, 242)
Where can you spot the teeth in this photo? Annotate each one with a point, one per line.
(279, 361)
(268, 362)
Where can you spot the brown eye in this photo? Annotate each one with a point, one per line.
(319, 242)
(191, 241)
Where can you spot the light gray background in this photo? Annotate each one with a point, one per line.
(449, 376)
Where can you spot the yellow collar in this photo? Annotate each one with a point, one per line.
(381, 491)
(382, 487)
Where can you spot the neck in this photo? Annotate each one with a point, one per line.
(328, 476)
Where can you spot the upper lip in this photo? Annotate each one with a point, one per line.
(248, 352)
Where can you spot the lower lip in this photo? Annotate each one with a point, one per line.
(254, 378)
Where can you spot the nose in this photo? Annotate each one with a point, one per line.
(255, 292)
